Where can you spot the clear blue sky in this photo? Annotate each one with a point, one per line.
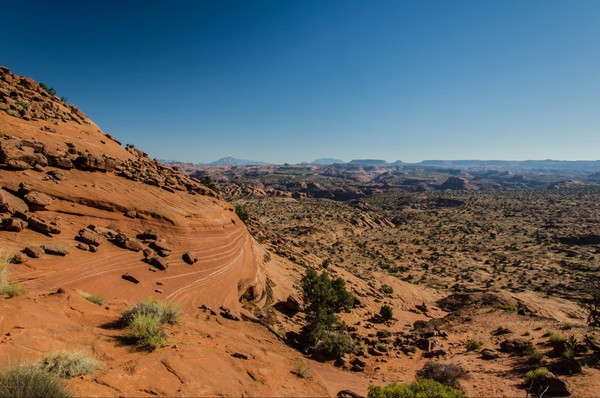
(295, 80)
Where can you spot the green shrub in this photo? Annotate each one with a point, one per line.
(536, 375)
(448, 374)
(93, 298)
(145, 323)
(555, 338)
(208, 182)
(29, 381)
(424, 388)
(242, 213)
(163, 312)
(474, 345)
(69, 364)
(386, 312)
(386, 289)
(147, 331)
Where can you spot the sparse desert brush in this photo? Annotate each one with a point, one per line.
(419, 388)
(386, 312)
(535, 375)
(93, 298)
(10, 289)
(30, 381)
(474, 345)
(147, 331)
(505, 307)
(145, 323)
(69, 364)
(164, 312)
(554, 337)
(448, 374)
(301, 369)
(386, 289)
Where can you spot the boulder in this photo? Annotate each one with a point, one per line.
(489, 354)
(293, 302)
(128, 243)
(190, 257)
(83, 246)
(15, 224)
(34, 251)
(130, 278)
(162, 247)
(37, 200)
(519, 346)
(550, 386)
(159, 263)
(566, 367)
(229, 314)
(55, 249)
(10, 203)
(89, 237)
(39, 225)
(19, 258)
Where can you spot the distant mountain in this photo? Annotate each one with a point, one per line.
(327, 161)
(228, 160)
(370, 162)
(547, 164)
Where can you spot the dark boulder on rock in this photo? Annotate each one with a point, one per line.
(517, 346)
(15, 224)
(130, 278)
(34, 251)
(189, 257)
(39, 225)
(128, 243)
(89, 237)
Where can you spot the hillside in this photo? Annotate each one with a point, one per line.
(115, 223)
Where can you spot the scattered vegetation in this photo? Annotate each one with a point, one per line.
(448, 374)
(301, 369)
(593, 305)
(49, 90)
(536, 375)
(505, 307)
(474, 345)
(94, 298)
(424, 388)
(28, 381)
(209, 183)
(326, 332)
(386, 289)
(242, 213)
(66, 364)
(10, 289)
(146, 320)
(386, 312)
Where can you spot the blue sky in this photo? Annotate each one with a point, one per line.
(291, 81)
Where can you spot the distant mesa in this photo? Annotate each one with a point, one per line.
(327, 161)
(370, 162)
(230, 161)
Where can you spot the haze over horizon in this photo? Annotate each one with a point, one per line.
(296, 81)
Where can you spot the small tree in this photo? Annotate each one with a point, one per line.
(593, 305)
(325, 332)
(386, 312)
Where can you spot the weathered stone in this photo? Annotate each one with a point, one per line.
(55, 249)
(34, 251)
(15, 164)
(130, 278)
(88, 236)
(126, 242)
(348, 394)
(106, 232)
(37, 200)
(518, 346)
(131, 214)
(190, 257)
(83, 246)
(162, 247)
(550, 386)
(15, 224)
(11, 203)
(240, 355)
(159, 263)
(293, 302)
(39, 225)
(229, 314)
(489, 354)
(438, 352)
(19, 258)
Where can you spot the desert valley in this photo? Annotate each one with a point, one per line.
(125, 276)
